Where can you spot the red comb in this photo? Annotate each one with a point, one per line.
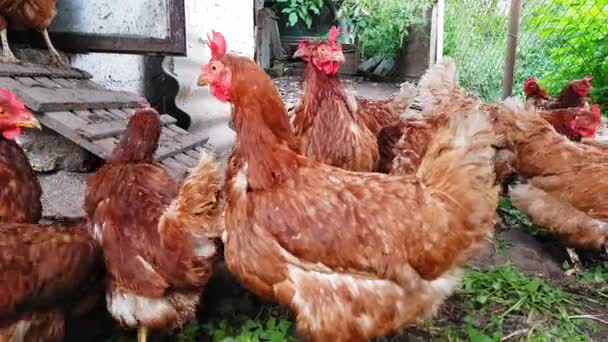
(217, 44)
(334, 32)
(530, 80)
(596, 110)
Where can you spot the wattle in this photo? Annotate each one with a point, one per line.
(11, 134)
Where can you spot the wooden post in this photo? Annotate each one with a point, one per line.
(433, 43)
(440, 23)
(507, 86)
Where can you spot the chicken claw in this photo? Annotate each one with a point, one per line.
(7, 53)
(56, 58)
(577, 266)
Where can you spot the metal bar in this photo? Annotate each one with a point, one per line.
(507, 86)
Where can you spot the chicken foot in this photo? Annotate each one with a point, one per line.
(577, 266)
(56, 58)
(7, 53)
(142, 334)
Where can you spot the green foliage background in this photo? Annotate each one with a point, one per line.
(381, 26)
(559, 40)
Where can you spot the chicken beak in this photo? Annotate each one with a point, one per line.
(299, 54)
(339, 57)
(32, 123)
(202, 81)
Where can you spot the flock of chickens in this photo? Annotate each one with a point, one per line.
(357, 217)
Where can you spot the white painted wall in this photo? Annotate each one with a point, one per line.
(233, 18)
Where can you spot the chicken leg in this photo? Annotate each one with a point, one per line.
(7, 53)
(577, 266)
(142, 334)
(56, 58)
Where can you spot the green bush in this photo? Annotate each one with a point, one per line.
(381, 26)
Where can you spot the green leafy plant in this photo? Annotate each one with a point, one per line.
(559, 40)
(575, 35)
(381, 26)
(300, 11)
(506, 294)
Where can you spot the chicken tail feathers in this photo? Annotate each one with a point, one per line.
(438, 84)
(405, 98)
(198, 206)
(459, 164)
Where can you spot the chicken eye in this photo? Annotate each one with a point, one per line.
(214, 68)
(3, 114)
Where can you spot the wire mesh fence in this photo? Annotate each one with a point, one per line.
(559, 40)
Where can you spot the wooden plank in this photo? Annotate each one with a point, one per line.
(54, 100)
(107, 114)
(65, 83)
(28, 81)
(115, 127)
(11, 84)
(92, 117)
(47, 83)
(186, 159)
(65, 124)
(177, 129)
(120, 113)
(192, 153)
(37, 70)
(184, 143)
(176, 169)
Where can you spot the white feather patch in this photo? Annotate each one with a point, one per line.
(133, 310)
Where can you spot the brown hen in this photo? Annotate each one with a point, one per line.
(565, 188)
(326, 119)
(156, 237)
(354, 255)
(20, 190)
(45, 273)
(28, 14)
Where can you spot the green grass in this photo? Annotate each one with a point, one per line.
(502, 301)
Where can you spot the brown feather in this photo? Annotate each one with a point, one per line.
(24, 14)
(355, 255)
(564, 176)
(329, 127)
(20, 189)
(149, 230)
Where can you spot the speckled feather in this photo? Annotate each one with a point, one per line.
(44, 271)
(567, 187)
(149, 230)
(328, 126)
(20, 189)
(23, 14)
(355, 255)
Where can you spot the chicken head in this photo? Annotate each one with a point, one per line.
(531, 87)
(215, 73)
(588, 123)
(582, 87)
(14, 116)
(326, 55)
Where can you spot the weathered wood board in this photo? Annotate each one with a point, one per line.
(37, 70)
(69, 103)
